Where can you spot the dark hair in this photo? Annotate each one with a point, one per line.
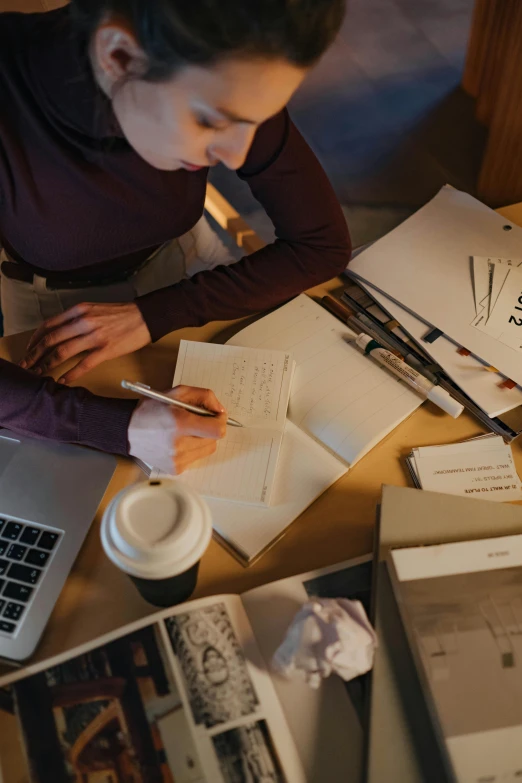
(174, 33)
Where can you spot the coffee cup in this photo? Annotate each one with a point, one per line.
(156, 532)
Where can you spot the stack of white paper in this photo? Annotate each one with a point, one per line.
(481, 467)
(423, 268)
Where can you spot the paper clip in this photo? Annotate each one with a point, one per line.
(463, 352)
(508, 384)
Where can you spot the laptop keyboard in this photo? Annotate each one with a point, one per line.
(24, 553)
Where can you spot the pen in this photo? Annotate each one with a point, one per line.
(371, 320)
(416, 380)
(146, 391)
(411, 355)
(361, 323)
(353, 321)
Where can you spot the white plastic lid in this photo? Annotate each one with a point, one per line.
(156, 529)
(444, 400)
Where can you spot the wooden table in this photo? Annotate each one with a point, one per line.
(98, 598)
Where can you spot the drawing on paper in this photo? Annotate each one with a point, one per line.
(213, 664)
(247, 755)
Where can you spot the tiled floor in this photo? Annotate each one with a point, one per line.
(385, 114)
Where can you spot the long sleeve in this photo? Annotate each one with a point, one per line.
(43, 408)
(312, 240)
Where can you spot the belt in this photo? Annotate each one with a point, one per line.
(54, 282)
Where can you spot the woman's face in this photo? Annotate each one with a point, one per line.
(202, 115)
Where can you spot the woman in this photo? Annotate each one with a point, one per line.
(112, 113)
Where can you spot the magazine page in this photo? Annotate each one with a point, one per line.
(327, 723)
(180, 697)
(461, 605)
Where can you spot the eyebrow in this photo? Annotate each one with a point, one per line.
(234, 117)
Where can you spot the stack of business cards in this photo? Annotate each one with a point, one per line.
(497, 290)
(481, 467)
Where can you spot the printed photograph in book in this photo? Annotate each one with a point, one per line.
(469, 631)
(247, 755)
(112, 715)
(213, 665)
(354, 583)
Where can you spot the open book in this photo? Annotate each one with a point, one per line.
(341, 405)
(187, 695)
(254, 386)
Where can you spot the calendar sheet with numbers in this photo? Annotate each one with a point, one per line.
(498, 299)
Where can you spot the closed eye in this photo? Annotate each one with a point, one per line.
(203, 122)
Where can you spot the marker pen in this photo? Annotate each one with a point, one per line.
(410, 376)
(362, 322)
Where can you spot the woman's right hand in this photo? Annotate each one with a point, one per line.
(171, 438)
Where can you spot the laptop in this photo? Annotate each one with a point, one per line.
(49, 494)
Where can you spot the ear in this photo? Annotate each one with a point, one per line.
(116, 54)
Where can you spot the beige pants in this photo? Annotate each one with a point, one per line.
(26, 305)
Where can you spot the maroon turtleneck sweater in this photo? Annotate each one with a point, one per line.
(75, 198)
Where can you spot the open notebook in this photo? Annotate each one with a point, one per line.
(254, 386)
(341, 405)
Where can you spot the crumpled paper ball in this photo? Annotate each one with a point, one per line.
(327, 635)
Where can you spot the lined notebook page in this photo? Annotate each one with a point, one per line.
(254, 386)
(339, 396)
(304, 472)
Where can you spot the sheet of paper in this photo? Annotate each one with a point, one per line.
(338, 395)
(500, 272)
(490, 273)
(481, 279)
(254, 386)
(304, 472)
(477, 472)
(505, 321)
(467, 372)
(423, 264)
(242, 468)
(482, 443)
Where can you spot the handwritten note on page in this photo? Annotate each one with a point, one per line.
(254, 386)
(339, 396)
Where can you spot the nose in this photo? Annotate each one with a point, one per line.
(232, 145)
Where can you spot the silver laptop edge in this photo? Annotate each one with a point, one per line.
(57, 488)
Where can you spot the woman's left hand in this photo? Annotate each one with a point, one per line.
(100, 331)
